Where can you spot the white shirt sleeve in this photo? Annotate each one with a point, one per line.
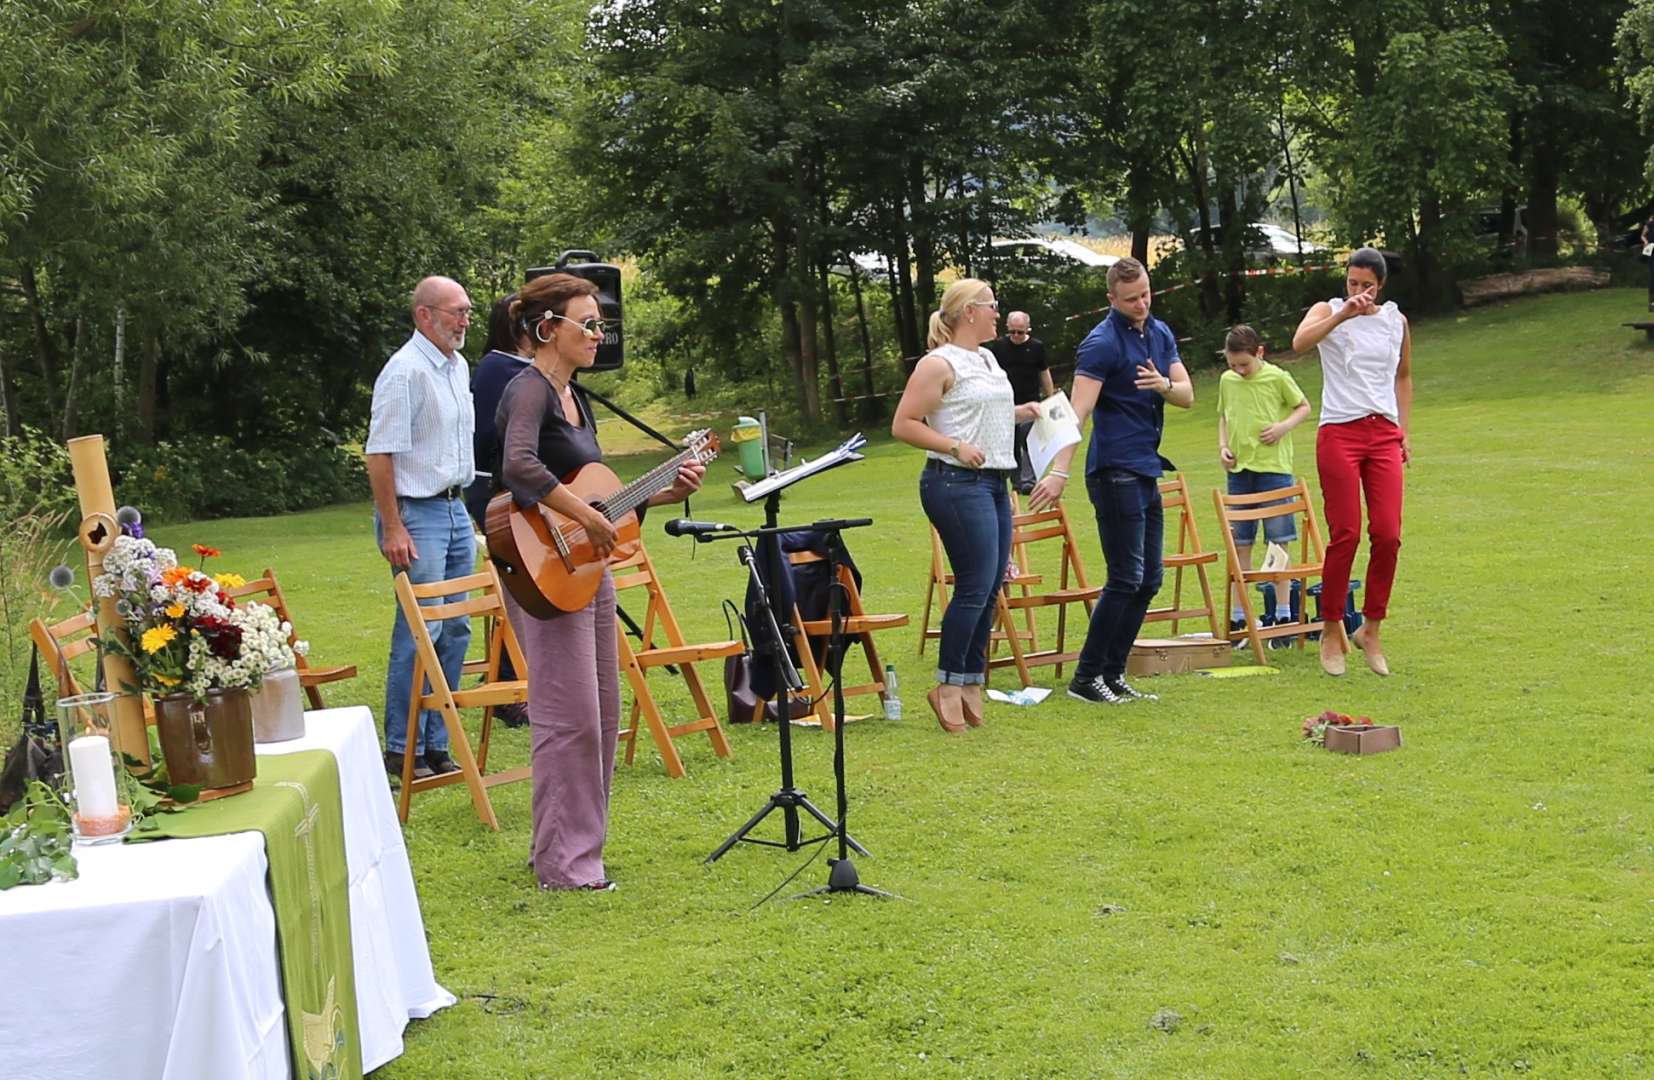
(390, 429)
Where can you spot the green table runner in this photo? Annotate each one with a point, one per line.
(295, 804)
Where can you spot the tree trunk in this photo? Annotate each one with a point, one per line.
(1234, 249)
(869, 404)
(76, 351)
(149, 365)
(1543, 180)
(834, 378)
(808, 369)
(1424, 248)
(120, 370)
(1210, 296)
(45, 349)
(8, 394)
(1141, 211)
(924, 242)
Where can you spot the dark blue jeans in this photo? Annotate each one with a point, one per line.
(972, 514)
(1130, 522)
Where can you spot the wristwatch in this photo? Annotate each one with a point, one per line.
(1167, 392)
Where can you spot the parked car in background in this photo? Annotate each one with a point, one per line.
(1266, 243)
(1038, 249)
(1487, 228)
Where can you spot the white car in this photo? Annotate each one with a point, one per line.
(1269, 243)
(1040, 249)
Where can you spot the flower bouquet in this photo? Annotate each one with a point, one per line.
(1350, 734)
(1315, 727)
(198, 653)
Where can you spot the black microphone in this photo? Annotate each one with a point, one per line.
(841, 523)
(687, 527)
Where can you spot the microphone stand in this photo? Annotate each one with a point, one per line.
(841, 876)
(788, 799)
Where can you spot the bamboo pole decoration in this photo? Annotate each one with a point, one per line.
(97, 534)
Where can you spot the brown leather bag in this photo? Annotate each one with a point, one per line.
(740, 700)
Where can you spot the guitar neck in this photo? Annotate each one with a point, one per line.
(645, 487)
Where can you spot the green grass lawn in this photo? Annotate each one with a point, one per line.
(1479, 903)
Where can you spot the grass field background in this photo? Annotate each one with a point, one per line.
(1175, 889)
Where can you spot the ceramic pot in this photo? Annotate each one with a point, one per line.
(207, 743)
(278, 707)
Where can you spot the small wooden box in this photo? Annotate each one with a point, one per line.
(1172, 656)
(1363, 739)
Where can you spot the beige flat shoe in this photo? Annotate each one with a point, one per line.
(950, 724)
(973, 715)
(1375, 658)
(1333, 665)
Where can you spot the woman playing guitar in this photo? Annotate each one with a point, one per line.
(548, 434)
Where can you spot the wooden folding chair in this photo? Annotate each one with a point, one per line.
(941, 587)
(1312, 554)
(1174, 496)
(638, 572)
(61, 642)
(453, 601)
(267, 590)
(859, 628)
(1029, 529)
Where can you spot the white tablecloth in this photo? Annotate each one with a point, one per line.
(160, 959)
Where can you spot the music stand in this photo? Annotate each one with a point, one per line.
(788, 799)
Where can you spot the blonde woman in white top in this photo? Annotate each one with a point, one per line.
(958, 409)
(1361, 448)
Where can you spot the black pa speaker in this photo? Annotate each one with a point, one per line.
(611, 352)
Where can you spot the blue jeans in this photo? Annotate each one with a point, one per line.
(1276, 530)
(972, 514)
(1131, 522)
(441, 532)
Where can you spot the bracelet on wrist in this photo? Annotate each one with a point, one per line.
(1059, 472)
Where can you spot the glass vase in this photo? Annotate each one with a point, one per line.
(93, 773)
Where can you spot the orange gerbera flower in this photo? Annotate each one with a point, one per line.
(172, 575)
(207, 552)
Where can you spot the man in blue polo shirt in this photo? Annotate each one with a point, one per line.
(1126, 370)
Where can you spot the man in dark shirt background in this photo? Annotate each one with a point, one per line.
(1022, 355)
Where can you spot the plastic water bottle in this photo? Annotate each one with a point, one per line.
(892, 703)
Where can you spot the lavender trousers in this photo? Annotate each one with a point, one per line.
(574, 720)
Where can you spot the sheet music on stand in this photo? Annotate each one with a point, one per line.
(842, 454)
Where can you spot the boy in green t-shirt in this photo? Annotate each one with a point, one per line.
(1258, 406)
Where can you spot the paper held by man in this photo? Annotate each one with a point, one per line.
(1056, 429)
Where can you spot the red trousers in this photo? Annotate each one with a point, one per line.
(1360, 456)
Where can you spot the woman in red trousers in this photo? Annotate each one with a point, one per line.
(1361, 447)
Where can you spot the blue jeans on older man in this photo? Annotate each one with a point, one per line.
(972, 514)
(441, 532)
(1131, 523)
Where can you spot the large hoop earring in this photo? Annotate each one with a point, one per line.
(538, 327)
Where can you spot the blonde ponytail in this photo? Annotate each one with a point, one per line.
(938, 330)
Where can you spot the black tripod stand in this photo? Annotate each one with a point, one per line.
(788, 799)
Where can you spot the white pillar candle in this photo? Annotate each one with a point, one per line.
(94, 772)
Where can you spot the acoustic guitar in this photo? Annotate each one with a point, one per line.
(546, 559)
